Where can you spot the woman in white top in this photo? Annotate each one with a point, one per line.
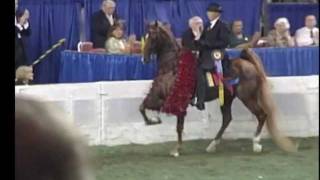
(116, 43)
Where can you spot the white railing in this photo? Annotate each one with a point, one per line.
(108, 112)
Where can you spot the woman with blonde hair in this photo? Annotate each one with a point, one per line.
(280, 36)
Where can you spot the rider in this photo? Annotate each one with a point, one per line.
(214, 38)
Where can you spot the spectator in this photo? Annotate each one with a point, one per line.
(46, 147)
(101, 23)
(308, 35)
(195, 23)
(238, 39)
(22, 29)
(116, 42)
(280, 36)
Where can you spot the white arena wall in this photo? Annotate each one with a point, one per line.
(108, 112)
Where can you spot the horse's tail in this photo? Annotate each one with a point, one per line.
(254, 59)
(265, 100)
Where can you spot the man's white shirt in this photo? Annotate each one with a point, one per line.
(110, 18)
(213, 22)
(303, 36)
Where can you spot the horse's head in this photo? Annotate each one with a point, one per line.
(156, 38)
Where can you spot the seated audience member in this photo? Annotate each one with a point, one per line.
(195, 23)
(280, 36)
(101, 22)
(308, 35)
(116, 43)
(238, 39)
(46, 146)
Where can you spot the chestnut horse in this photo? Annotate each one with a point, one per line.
(252, 90)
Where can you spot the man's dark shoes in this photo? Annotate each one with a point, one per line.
(200, 106)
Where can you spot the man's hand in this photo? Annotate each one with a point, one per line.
(197, 33)
(24, 18)
(27, 14)
(24, 73)
(132, 38)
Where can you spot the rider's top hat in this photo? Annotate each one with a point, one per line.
(214, 7)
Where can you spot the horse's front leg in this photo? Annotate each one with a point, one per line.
(145, 117)
(176, 151)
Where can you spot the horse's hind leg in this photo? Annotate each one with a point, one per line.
(180, 123)
(253, 106)
(226, 119)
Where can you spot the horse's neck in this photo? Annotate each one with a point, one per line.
(168, 57)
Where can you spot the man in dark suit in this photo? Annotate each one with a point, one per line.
(22, 29)
(215, 36)
(101, 22)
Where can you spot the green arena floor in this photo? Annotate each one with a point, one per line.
(234, 160)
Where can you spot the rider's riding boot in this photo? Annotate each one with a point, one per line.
(200, 106)
(201, 94)
(226, 67)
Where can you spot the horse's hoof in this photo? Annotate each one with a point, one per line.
(212, 146)
(152, 122)
(211, 149)
(257, 148)
(148, 123)
(159, 121)
(155, 120)
(175, 154)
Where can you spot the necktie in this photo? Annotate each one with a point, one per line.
(312, 36)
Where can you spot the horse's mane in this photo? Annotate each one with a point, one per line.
(167, 36)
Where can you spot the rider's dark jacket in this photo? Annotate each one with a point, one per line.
(215, 38)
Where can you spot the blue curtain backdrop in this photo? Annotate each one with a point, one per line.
(50, 21)
(177, 12)
(294, 12)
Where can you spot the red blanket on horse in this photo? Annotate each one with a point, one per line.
(182, 91)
